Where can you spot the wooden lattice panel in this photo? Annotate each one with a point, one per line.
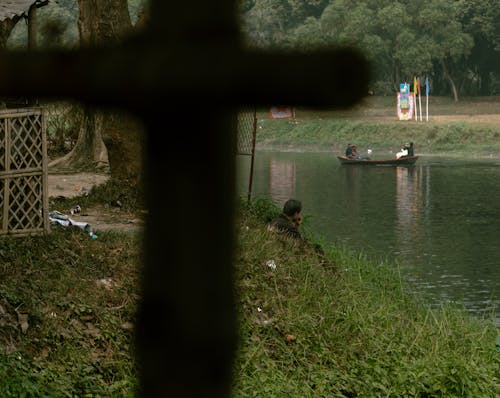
(23, 172)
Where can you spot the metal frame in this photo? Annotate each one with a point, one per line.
(247, 132)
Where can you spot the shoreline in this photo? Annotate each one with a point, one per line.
(320, 149)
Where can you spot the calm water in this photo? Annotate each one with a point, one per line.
(440, 220)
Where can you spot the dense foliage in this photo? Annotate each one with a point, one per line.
(57, 25)
(455, 43)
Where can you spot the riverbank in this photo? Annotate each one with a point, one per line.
(338, 325)
(468, 128)
(310, 326)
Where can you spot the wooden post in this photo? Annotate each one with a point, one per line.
(45, 175)
(6, 181)
(32, 42)
(254, 135)
(190, 54)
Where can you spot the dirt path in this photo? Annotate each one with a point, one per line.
(100, 218)
(71, 185)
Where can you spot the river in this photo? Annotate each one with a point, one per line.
(438, 220)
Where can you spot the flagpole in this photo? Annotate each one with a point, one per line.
(415, 98)
(427, 98)
(427, 107)
(420, 100)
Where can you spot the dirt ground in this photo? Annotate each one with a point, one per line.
(100, 218)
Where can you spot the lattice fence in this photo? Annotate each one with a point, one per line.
(23, 172)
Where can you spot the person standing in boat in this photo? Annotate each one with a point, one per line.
(411, 151)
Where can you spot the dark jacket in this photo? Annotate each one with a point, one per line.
(283, 225)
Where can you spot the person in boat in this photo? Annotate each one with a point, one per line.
(351, 152)
(411, 151)
(289, 221)
(355, 154)
(406, 151)
(403, 152)
(348, 152)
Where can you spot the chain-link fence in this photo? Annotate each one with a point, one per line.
(247, 128)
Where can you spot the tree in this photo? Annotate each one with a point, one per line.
(107, 140)
(6, 27)
(481, 19)
(445, 41)
(265, 23)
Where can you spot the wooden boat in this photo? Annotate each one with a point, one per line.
(403, 161)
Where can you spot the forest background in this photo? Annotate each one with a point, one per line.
(455, 43)
(57, 25)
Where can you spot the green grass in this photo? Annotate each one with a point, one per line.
(340, 326)
(334, 134)
(319, 325)
(130, 196)
(373, 124)
(78, 297)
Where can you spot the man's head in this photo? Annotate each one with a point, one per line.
(292, 209)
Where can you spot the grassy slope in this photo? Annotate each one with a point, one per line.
(343, 327)
(467, 127)
(352, 328)
(75, 297)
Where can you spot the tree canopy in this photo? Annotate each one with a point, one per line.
(456, 43)
(57, 25)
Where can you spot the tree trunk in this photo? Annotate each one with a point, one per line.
(124, 139)
(6, 27)
(107, 141)
(453, 87)
(103, 22)
(89, 153)
(484, 82)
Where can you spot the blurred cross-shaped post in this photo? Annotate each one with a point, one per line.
(185, 75)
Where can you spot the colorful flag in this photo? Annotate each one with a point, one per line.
(426, 86)
(415, 85)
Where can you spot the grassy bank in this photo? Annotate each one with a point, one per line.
(383, 137)
(316, 325)
(464, 128)
(340, 326)
(67, 309)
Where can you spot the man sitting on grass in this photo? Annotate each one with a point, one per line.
(288, 222)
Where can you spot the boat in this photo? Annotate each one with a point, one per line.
(403, 161)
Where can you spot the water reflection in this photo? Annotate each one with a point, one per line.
(281, 179)
(439, 219)
(407, 207)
